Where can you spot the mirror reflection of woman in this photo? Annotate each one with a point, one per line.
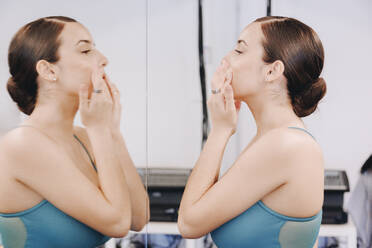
(272, 195)
(63, 185)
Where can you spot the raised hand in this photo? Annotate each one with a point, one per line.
(222, 106)
(116, 114)
(97, 111)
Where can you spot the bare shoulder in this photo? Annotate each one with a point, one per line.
(21, 147)
(290, 149)
(22, 150)
(20, 142)
(18, 149)
(302, 158)
(291, 143)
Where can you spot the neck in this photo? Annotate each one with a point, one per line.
(269, 114)
(55, 115)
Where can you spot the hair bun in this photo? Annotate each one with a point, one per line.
(306, 103)
(11, 82)
(12, 88)
(25, 102)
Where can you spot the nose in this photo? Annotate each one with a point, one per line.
(102, 61)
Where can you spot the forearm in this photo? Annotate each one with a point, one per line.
(111, 177)
(206, 171)
(138, 194)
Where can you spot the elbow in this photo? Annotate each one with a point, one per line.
(138, 225)
(183, 229)
(187, 230)
(120, 229)
(118, 225)
(137, 228)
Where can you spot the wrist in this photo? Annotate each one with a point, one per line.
(221, 133)
(98, 130)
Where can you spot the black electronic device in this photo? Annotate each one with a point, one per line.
(165, 187)
(336, 184)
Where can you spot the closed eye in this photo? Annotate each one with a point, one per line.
(238, 52)
(86, 51)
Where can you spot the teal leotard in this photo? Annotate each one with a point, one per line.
(45, 226)
(260, 226)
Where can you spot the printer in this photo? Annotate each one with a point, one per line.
(165, 187)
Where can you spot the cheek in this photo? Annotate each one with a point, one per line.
(74, 74)
(245, 79)
(240, 77)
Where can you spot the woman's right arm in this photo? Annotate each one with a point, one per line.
(97, 116)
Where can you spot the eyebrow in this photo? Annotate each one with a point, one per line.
(84, 41)
(242, 41)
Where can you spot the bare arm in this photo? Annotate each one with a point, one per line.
(138, 195)
(97, 115)
(252, 172)
(205, 173)
(139, 198)
(111, 177)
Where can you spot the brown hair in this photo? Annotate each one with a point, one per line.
(35, 41)
(301, 51)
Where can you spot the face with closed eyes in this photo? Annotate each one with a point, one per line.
(247, 64)
(78, 58)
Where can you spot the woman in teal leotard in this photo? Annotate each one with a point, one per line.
(61, 185)
(272, 195)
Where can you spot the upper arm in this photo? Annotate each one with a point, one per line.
(261, 169)
(44, 167)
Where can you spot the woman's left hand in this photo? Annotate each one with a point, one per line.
(222, 106)
(116, 112)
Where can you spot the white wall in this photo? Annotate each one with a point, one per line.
(174, 96)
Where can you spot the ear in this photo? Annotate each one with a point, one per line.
(46, 70)
(274, 71)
